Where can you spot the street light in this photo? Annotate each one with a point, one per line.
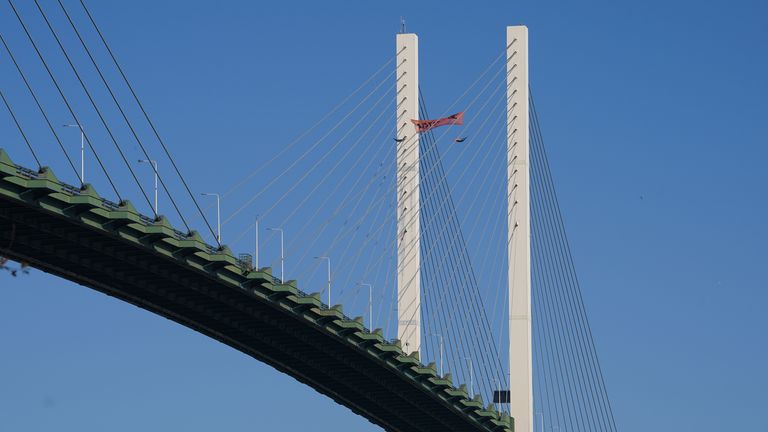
(82, 151)
(153, 163)
(282, 253)
(370, 304)
(471, 384)
(218, 214)
(441, 350)
(257, 243)
(329, 276)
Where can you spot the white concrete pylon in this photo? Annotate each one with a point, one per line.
(408, 220)
(519, 230)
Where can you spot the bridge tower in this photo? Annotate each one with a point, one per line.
(408, 215)
(519, 231)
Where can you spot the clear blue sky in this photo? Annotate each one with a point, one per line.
(663, 100)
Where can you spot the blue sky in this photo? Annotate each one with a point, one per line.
(654, 118)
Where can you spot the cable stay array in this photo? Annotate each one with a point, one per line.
(322, 207)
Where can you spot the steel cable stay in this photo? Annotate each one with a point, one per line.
(335, 242)
(453, 221)
(553, 265)
(371, 269)
(390, 224)
(146, 116)
(571, 382)
(355, 186)
(460, 97)
(317, 163)
(484, 205)
(433, 316)
(341, 234)
(272, 181)
(472, 86)
(358, 199)
(458, 262)
(125, 117)
(93, 103)
(575, 294)
(21, 130)
(435, 311)
(557, 220)
(582, 337)
(455, 261)
(556, 330)
(427, 176)
(373, 214)
(485, 71)
(301, 136)
(40, 108)
(550, 281)
(343, 181)
(410, 250)
(65, 100)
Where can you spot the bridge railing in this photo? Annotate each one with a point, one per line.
(179, 235)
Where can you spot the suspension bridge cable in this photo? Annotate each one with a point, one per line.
(65, 100)
(40, 107)
(146, 116)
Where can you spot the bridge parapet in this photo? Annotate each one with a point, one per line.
(112, 248)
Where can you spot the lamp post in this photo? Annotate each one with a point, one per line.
(328, 259)
(370, 304)
(82, 151)
(471, 377)
(218, 214)
(257, 243)
(153, 163)
(441, 351)
(282, 253)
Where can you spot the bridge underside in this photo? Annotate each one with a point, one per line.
(83, 238)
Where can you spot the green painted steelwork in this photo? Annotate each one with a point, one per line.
(110, 247)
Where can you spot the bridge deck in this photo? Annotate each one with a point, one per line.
(111, 248)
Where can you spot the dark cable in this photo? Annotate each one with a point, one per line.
(122, 112)
(40, 107)
(21, 131)
(93, 103)
(146, 116)
(64, 99)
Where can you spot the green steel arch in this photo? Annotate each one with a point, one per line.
(111, 248)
